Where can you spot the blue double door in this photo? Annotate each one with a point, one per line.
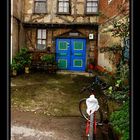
(71, 54)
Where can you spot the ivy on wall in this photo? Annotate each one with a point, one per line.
(114, 49)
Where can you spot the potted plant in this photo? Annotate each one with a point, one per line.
(49, 62)
(27, 62)
(91, 64)
(15, 67)
(21, 61)
(25, 59)
(48, 58)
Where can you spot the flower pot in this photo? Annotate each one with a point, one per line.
(91, 66)
(27, 70)
(14, 72)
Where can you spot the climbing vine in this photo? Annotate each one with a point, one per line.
(121, 28)
(119, 89)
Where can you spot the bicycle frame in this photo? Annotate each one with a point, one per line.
(92, 111)
(89, 124)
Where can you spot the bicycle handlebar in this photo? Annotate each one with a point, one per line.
(97, 81)
(85, 88)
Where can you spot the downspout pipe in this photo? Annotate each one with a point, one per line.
(11, 48)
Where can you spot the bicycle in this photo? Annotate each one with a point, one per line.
(92, 117)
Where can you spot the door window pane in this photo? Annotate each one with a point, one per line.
(78, 45)
(62, 45)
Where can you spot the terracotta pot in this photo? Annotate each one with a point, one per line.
(91, 66)
(27, 70)
(14, 72)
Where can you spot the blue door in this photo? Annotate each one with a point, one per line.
(71, 54)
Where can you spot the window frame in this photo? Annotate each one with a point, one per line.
(41, 1)
(69, 8)
(41, 39)
(92, 13)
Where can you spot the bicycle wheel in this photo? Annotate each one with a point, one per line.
(83, 107)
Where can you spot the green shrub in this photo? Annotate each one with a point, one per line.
(49, 58)
(21, 59)
(24, 57)
(120, 121)
(16, 65)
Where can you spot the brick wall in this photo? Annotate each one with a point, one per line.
(108, 13)
(112, 9)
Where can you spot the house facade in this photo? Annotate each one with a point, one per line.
(72, 29)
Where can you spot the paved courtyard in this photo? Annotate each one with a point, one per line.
(45, 107)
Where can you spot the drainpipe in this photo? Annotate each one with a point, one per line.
(11, 30)
(18, 34)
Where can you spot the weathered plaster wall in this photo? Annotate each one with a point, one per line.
(14, 35)
(18, 8)
(76, 16)
(17, 37)
(17, 31)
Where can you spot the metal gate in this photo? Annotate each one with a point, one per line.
(71, 54)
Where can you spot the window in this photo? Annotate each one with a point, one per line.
(41, 39)
(40, 6)
(63, 6)
(92, 6)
